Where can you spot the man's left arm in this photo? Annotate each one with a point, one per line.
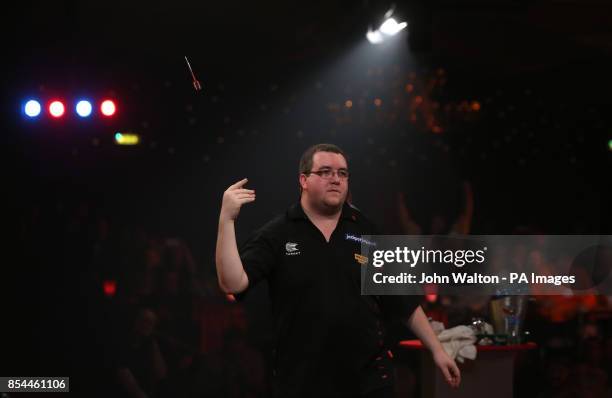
(419, 324)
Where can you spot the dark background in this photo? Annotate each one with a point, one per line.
(276, 78)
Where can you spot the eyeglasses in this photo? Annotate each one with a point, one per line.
(327, 174)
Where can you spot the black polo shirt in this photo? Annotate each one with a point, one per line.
(329, 339)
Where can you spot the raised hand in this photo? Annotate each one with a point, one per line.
(233, 199)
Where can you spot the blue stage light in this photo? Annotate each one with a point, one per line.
(32, 108)
(83, 108)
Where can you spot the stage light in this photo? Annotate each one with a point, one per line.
(109, 287)
(610, 145)
(56, 109)
(83, 108)
(374, 36)
(127, 138)
(108, 108)
(390, 27)
(32, 108)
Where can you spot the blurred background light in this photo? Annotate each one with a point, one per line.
(127, 138)
(32, 108)
(83, 108)
(108, 108)
(57, 109)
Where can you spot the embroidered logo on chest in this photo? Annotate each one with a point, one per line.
(359, 239)
(291, 249)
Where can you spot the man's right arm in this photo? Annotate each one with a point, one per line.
(230, 271)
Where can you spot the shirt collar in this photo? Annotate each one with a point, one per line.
(296, 212)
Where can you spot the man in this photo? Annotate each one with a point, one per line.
(330, 340)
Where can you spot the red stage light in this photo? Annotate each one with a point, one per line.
(109, 287)
(57, 108)
(108, 108)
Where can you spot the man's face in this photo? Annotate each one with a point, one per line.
(327, 193)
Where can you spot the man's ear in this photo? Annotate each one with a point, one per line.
(303, 181)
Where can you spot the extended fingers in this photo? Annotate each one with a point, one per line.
(238, 184)
(244, 190)
(243, 193)
(246, 199)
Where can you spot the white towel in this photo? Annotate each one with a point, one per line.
(458, 342)
(437, 326)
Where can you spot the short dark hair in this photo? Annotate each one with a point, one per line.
(308, 155)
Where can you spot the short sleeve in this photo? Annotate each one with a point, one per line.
(258, 256)
(396, 312)
(399, 308)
